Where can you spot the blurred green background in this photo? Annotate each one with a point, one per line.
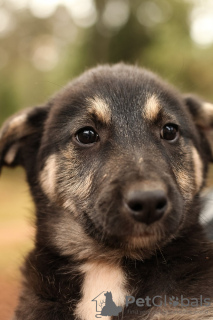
(45, 43)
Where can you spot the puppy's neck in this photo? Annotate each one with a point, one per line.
(100, 277)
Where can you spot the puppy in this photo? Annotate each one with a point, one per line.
(115, 162)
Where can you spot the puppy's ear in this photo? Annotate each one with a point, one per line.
(202, 114)
(20, 136)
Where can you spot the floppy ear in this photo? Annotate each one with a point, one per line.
(202, 114)
(20, 136)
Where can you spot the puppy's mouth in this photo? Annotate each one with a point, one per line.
(144, 236)
(135, 235)
(145, 240)
(140, 225)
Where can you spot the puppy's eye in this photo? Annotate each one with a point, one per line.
(87, 136)
(170, 132)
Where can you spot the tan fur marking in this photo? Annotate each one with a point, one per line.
(144, 241)
(183, 180)
(140, 160)
(99, 277)
(17, 121)
(151, 108)
(198, 169)
(208, 112)
(208, 108)
(11, 154)
(15, 125)
(69, 204)
(99, 107)
(205, 115)
(83, 186)
(48, 176)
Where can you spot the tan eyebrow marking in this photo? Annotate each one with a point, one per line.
(100, 108)
(151, 108)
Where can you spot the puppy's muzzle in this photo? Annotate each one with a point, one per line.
(146, 206)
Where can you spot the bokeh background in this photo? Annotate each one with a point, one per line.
(45, 43)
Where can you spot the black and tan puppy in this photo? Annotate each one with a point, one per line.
(115, 163)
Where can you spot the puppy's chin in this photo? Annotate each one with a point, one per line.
(132, 243)
(144, 246)
(141, 243)
(145, 241)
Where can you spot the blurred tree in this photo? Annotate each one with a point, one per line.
(39, 55)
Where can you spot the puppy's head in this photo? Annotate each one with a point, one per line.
(118, 157)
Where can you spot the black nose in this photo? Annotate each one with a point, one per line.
(146, 206)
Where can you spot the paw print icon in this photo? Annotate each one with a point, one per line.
(173, 301)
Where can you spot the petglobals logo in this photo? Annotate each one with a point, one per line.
(105, 306)
(159, 301)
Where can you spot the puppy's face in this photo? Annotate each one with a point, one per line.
(118, 154)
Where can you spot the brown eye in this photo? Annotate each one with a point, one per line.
(170, 132)
(87, 136)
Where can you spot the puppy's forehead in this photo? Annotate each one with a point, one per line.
(148, 107)
(122, 93)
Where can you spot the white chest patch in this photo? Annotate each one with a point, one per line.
(102, 281)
